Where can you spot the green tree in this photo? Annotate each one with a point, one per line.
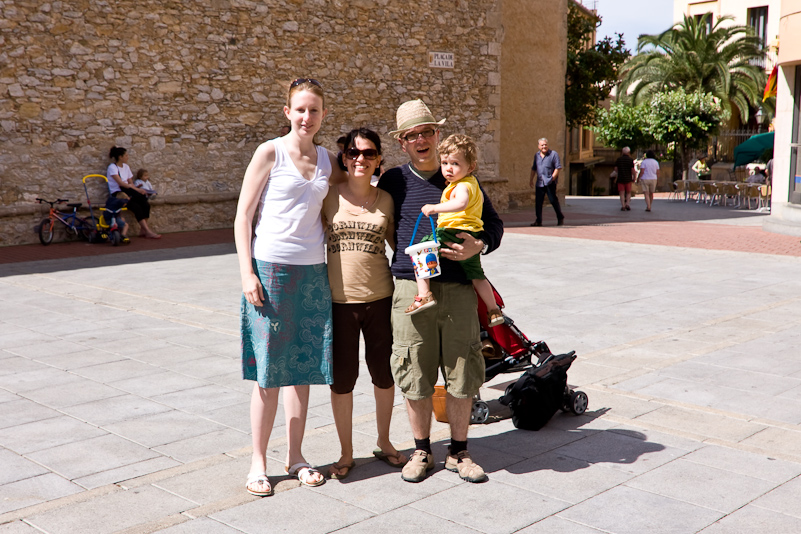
(723, 62)
(623, 125)
(686, 119)
(592, 71)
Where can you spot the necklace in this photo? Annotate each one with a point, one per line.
(365, 204)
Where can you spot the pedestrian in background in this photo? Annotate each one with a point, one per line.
(624, 169)
(702, 169)
(545, 171)
(649, 174)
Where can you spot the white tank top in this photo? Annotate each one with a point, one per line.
(289, 229)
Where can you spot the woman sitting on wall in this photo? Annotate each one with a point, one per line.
(120, 181)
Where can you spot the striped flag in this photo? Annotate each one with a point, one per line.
(771, 86)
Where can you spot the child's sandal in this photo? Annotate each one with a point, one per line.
(495, 317)
(421, 303)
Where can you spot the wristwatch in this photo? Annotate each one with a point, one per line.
(486, 247)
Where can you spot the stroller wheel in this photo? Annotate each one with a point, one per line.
(578, 402)
(566, 396)
(480, 413)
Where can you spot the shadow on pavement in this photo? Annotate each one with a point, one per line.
(581, 449)
(110, 260)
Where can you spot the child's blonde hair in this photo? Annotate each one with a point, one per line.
(460, 143)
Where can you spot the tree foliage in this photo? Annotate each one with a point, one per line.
(687, 119)
(623, 125)
(592, 71)
(723, 61)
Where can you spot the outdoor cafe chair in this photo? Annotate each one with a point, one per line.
(679, 190)
(764, 198)
(743, 191)
(710, 191)
(728, 191)
(693, 191)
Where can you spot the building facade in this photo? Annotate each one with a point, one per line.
(192, 88)
(760, 15)
(785, 216)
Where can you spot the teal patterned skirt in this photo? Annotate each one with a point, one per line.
(287, 341)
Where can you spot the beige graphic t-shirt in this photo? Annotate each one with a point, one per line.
(358, 267)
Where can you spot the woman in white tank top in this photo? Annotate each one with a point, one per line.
(286, 300)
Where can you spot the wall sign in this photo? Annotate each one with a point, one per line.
(440, 60)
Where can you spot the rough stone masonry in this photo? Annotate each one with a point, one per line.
(191, 88)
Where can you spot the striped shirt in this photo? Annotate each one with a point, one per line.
(410, 193)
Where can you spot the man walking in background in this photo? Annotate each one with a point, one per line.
(624, 167)
(545, 171)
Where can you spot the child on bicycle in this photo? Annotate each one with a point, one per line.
(460, 211)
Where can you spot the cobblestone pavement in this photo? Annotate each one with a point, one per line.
(122, 407)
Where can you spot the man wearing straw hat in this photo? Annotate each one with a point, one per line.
(445, 336)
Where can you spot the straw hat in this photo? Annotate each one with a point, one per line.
(412, 114)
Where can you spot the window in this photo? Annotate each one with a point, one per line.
(585, 139)
(795, 146)
(758, 21)
(708, 21)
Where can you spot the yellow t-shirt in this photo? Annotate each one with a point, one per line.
(469, 218)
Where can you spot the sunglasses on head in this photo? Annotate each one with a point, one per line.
(305, 80)
(368, 153)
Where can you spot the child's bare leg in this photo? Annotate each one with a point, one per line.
(424, 298)
(423, 286)
(484, 290)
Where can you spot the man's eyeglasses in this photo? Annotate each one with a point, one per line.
(368, 153)
(425, 134)
(304, 80)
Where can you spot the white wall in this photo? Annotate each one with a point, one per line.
(736, 8)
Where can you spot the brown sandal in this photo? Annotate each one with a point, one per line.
(495, 317)
(421, 303)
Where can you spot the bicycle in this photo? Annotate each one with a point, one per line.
(75, 226)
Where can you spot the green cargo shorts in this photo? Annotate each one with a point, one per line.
(472, 265)
(452, 325)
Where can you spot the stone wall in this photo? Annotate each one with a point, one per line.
(533, 66)
(191, 88)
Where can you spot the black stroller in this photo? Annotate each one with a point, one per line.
(507, 350)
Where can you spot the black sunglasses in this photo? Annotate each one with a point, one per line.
(368, 153)
(304, 80)
(425, 134)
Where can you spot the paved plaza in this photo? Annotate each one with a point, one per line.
(122, 407)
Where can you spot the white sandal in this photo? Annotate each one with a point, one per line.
(304, 472)
(260, 479)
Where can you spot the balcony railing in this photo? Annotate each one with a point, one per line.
(768, 61)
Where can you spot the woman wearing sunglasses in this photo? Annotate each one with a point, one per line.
(286, 304)
(359, 221)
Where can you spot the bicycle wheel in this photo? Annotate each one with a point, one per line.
(86, 229)
(73, 230)
(115, 237)
(46, 230)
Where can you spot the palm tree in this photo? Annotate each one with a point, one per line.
(721, 60)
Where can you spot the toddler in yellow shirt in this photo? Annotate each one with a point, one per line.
(459, 211)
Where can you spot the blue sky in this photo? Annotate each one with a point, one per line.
(634, 17)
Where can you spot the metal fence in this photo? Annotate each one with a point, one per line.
(722, 145)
